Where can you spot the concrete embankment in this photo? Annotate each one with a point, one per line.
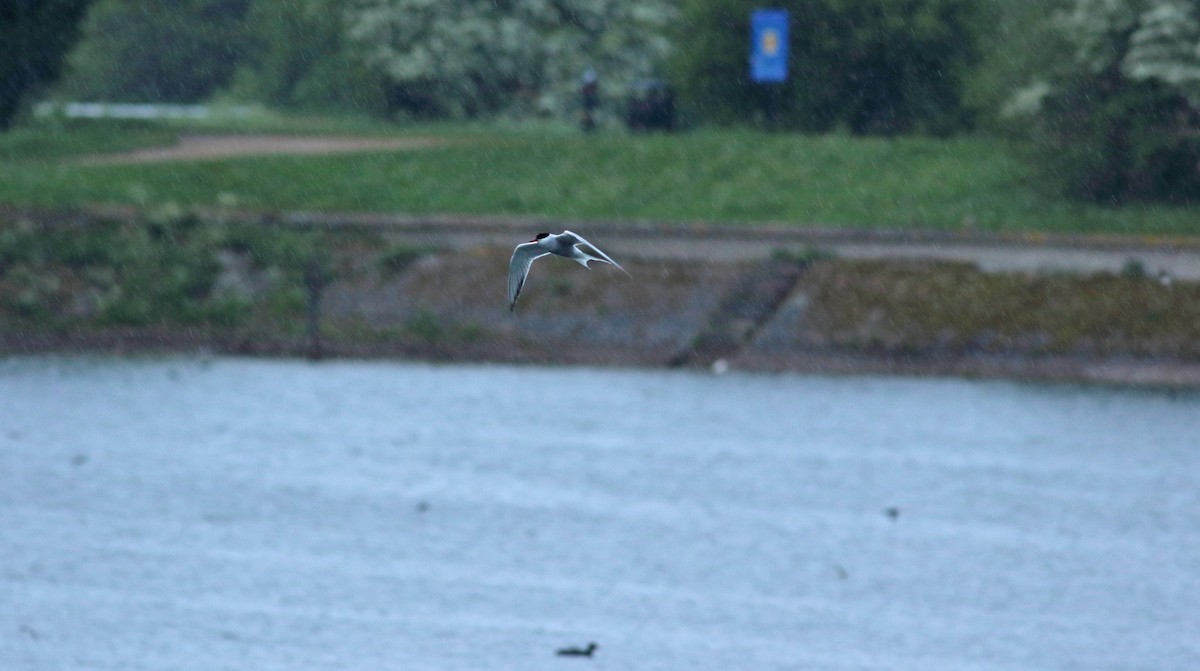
(826, 315)
(824, 301)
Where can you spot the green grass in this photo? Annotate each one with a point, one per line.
(715, 176)
(50, 142)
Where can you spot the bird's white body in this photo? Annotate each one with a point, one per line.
(565, 244)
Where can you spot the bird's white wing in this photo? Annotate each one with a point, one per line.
(518, 269)
(577, 239)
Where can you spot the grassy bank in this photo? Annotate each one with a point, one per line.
(29, 147)
(727, 176)
(172, 272)
(184, 283)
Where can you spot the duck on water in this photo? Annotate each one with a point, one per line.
(578, 652)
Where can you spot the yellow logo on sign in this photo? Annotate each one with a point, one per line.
(770, 42)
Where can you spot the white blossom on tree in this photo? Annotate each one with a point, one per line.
(466, 58)
(1166, 46)
(1143, 39)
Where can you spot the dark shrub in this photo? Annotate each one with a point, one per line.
(1109, 139)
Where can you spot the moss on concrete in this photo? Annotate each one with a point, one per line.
(938, 307)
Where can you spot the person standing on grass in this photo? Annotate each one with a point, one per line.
(589, 91)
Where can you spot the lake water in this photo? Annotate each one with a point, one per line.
(243, 514)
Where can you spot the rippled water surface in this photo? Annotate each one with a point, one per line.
(280, 515)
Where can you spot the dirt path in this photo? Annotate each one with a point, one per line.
(992, 252)
(209, 147)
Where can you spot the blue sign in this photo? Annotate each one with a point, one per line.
(769, 45)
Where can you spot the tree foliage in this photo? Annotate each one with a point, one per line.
(299, 56)
(1121, 122)
(869, 66)
(34, 37)
(179, 51)
(1018, 51)
(468, 58)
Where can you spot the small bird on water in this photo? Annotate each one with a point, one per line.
(565, 244)
(578, 652)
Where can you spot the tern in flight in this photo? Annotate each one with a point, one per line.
(563, 244)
